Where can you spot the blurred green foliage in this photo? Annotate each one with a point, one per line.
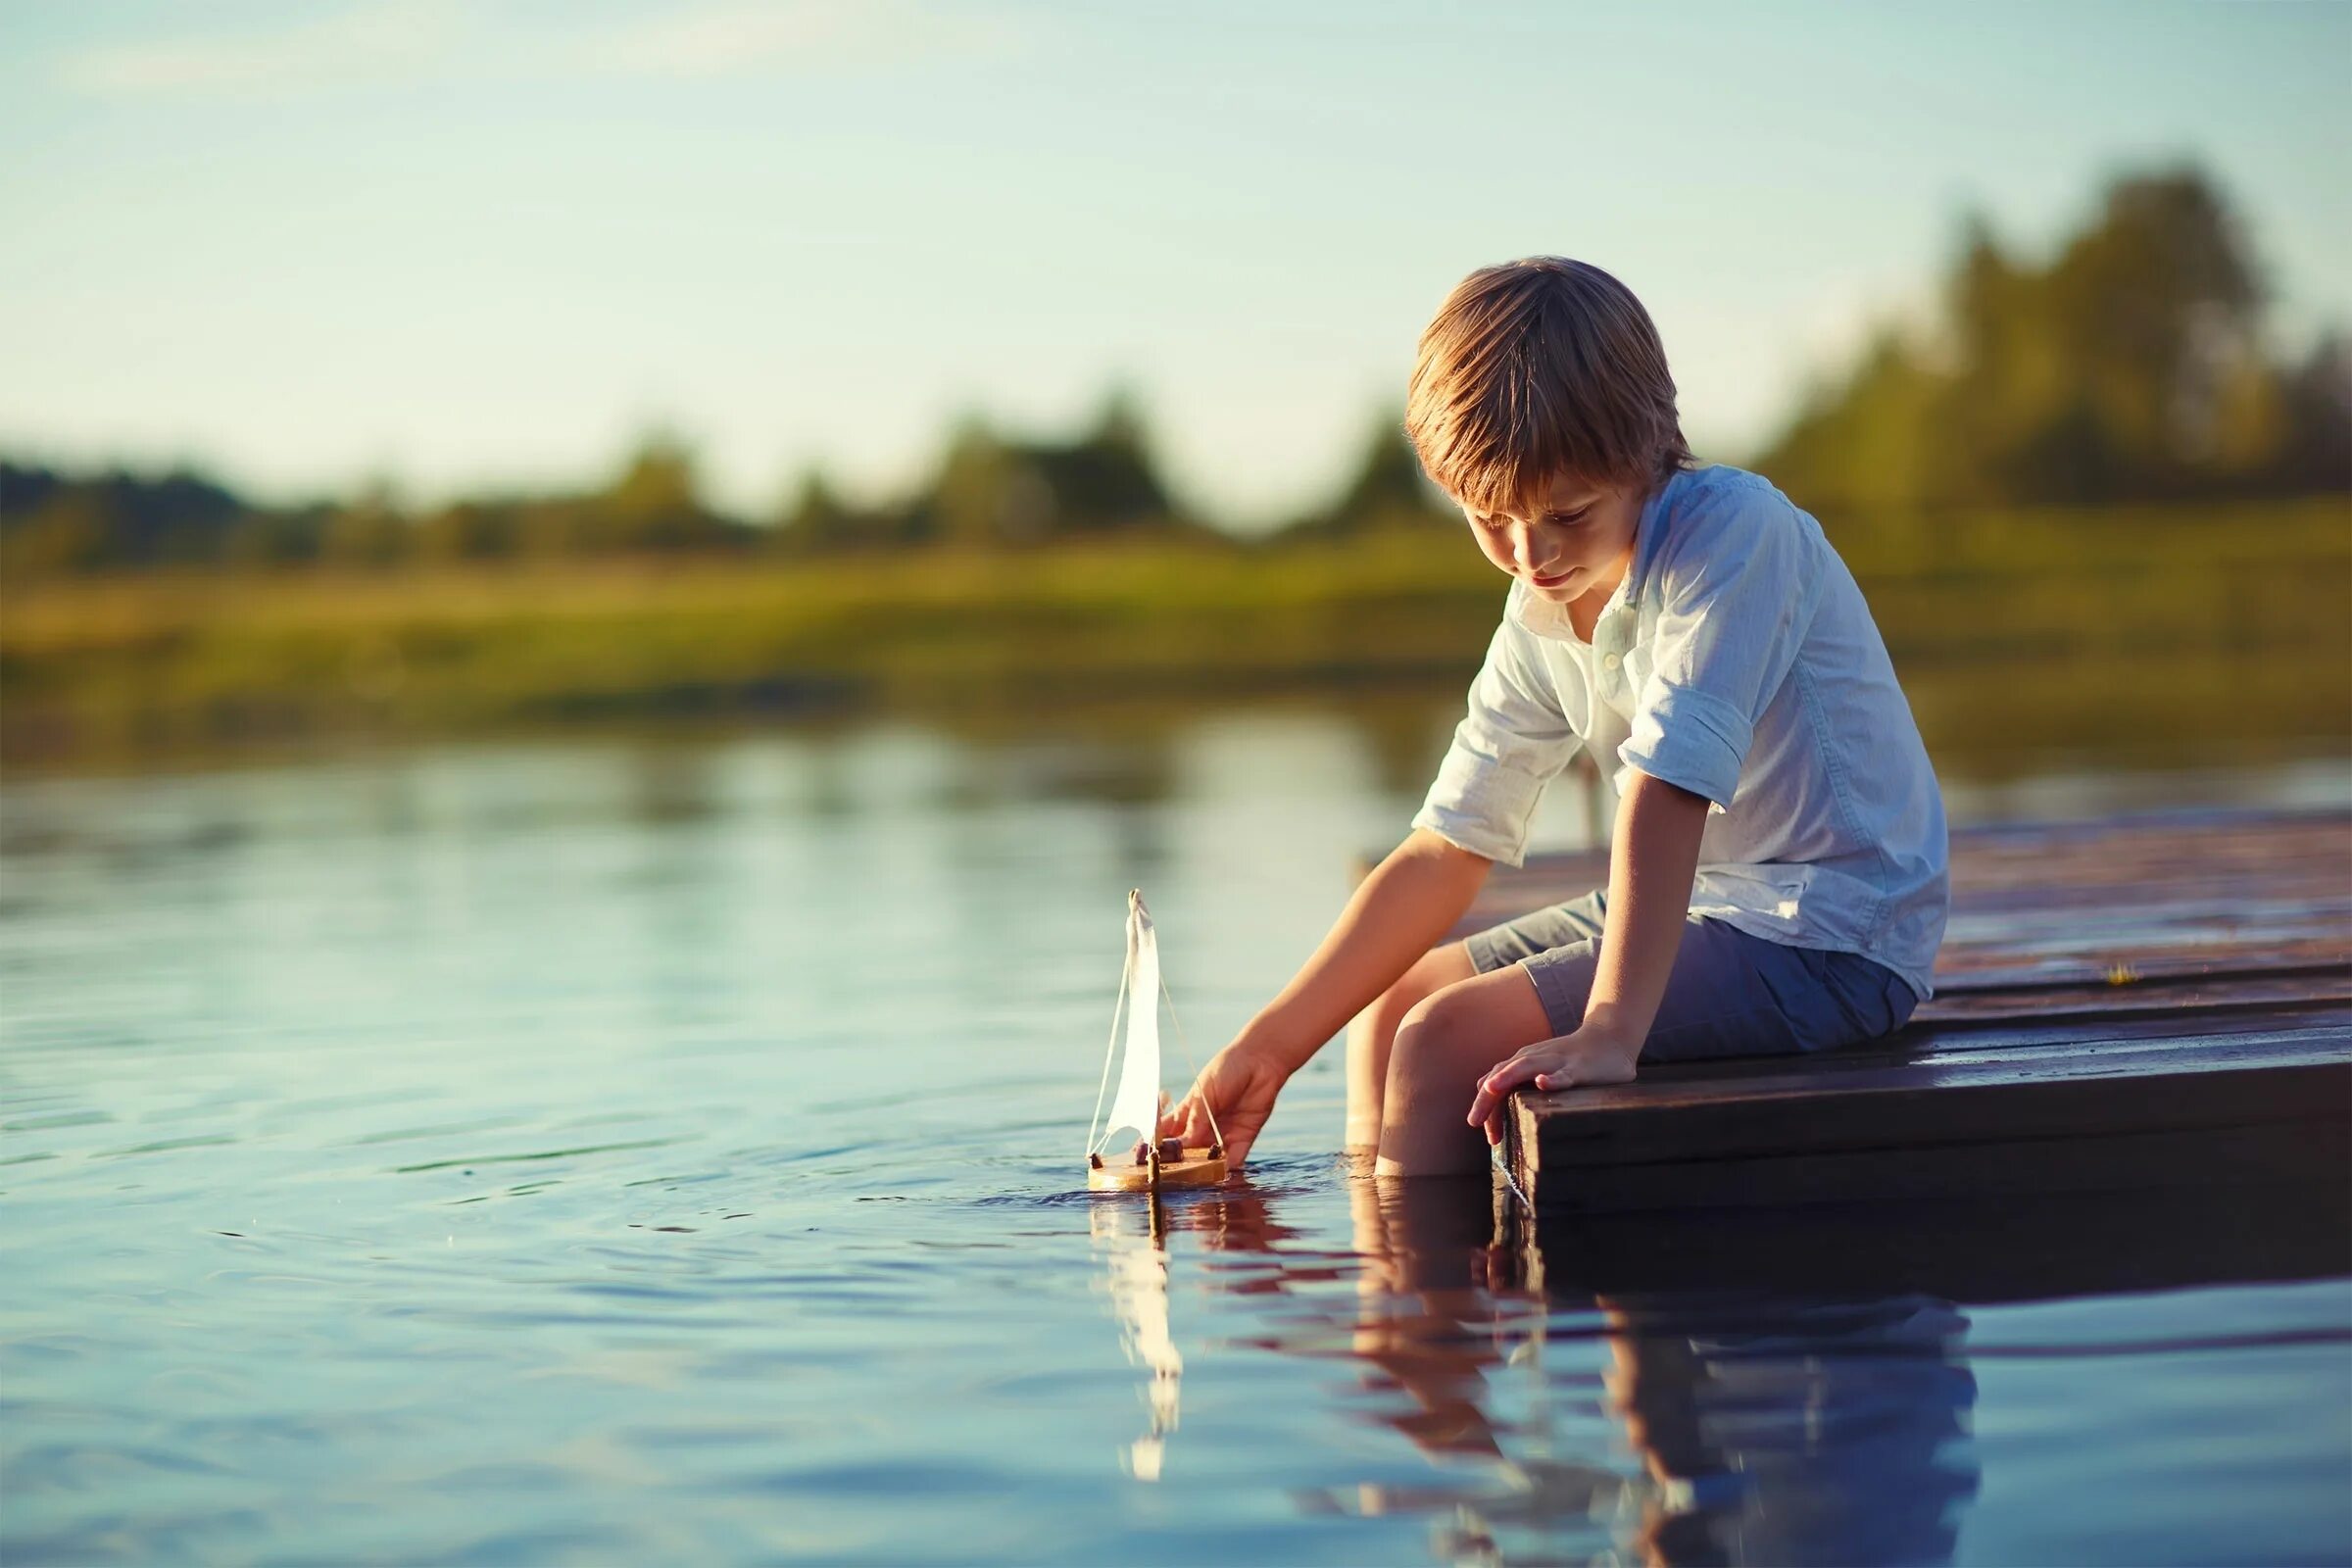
(2104, 631)
(989, 489)
(2134, 367)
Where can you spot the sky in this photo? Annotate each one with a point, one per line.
(489, 246)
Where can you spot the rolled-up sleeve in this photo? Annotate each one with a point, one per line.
(1739, 586)
(1515, 739)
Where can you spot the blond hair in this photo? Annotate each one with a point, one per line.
(1538, 367)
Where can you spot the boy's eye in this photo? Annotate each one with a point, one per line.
(1496, 525)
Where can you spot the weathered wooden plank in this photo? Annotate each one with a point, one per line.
(2217, 993)
(2292, 1153)
(2027, 1041)
(1960, 1036)
(2125, 1086)
(1980, 970)
(2090, 1117)
(1967, 1249)
(2146, 919)
(2149, 846)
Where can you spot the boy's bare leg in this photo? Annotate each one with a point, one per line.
(1442, 1049)
(1372, 1031)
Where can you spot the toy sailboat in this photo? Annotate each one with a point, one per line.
(1157, 1162)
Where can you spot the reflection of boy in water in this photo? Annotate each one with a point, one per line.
(1839, 1435)
(1812, 1432)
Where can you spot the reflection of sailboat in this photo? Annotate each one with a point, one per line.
(1139, 1296)
(1135, 1105)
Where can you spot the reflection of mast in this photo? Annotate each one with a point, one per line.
(1136, 1277)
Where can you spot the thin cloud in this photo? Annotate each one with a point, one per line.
(395, 40)
(367, 43)
(730, 40)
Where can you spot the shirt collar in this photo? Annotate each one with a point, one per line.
(1548, 620)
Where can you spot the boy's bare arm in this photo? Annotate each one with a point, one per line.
(1652, 860)
(1652, 865)
(1399, 913)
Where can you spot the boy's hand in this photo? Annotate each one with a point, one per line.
(1241, 1085)
(1586, 1056)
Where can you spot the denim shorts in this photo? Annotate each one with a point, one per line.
(1728, 993)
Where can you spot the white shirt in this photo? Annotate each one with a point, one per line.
(1738, 660)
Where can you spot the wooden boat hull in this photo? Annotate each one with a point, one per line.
(1200, 1167)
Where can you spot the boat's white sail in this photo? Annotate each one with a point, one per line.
(1135, 1108)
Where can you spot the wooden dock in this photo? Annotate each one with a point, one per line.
(2161, 1001)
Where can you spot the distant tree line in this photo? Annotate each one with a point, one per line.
(2134, 367)
(988, 489)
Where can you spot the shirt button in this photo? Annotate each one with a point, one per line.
(1610, 662)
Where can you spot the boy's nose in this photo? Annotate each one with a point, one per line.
(1523, 546)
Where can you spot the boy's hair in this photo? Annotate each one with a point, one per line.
(1536, 368)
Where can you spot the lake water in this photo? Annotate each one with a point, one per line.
(632, 1150)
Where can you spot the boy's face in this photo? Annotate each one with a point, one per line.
(1578, 542)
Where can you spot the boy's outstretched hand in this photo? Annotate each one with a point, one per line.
(1240, 1085)
(1584, 1058)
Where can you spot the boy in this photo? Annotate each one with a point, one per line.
(1776, 874)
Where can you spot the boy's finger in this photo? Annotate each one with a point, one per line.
(1495, 1085)
(1490, 1090)
(1499, 1120)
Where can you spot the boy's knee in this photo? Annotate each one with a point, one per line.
(1429, 1028)
(1406, 1060)
(1452, 1006)
(1422, 1131)
(1416, 1019)
(1430, 974)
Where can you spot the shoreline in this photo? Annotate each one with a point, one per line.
(2094, 628)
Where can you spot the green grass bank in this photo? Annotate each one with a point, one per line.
(2016, 629)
